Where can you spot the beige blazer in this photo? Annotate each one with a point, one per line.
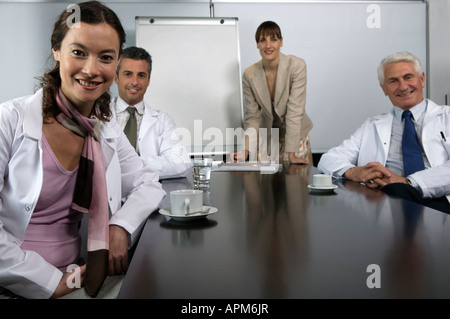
(289, 103)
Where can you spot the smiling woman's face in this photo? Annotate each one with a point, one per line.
(269, 47)
(88, 58)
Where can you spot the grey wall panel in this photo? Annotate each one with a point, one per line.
(25, 30)
(25, 45)
(341, 49)
(439, 51)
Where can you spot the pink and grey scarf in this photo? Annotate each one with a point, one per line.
(90, 194)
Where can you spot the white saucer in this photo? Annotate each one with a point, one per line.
(207, 210)
(322, 189)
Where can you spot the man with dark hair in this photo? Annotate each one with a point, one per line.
(150, 131)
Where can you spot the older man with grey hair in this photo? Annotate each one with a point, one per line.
(405, 152)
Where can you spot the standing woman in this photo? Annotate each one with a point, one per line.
(275, 96)
(60, 157)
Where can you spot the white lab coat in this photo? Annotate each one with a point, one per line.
(25, 272)
(370, 143)
(158, 143)
(160, 147)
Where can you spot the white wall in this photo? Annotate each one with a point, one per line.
(342, 44)
(25, 29)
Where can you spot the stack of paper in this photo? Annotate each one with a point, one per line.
(247, 167)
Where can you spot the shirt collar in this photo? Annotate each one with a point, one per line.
(416, 111)
(121, 106)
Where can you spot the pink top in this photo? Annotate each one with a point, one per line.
(53, 231)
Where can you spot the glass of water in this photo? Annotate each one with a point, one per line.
(202, 172)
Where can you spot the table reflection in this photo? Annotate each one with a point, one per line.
(274, 238)
(277, 234)
(406, 259)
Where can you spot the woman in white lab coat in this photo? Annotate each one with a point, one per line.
(60, 156)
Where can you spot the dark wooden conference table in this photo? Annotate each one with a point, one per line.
(273, 238)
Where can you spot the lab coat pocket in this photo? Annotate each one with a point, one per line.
(446, 145)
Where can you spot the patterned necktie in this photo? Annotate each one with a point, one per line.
(130, 129)
(412, 152)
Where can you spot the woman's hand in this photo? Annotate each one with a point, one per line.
(296, 160)
(118, 250)
(63, 288)
(239, 156)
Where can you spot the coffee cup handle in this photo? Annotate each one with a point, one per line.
(187, 204)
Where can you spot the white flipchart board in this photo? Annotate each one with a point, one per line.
(196, 75)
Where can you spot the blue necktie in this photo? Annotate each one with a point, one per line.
(412, 152)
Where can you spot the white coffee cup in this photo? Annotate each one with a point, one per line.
(186, 201)
(322, 180)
